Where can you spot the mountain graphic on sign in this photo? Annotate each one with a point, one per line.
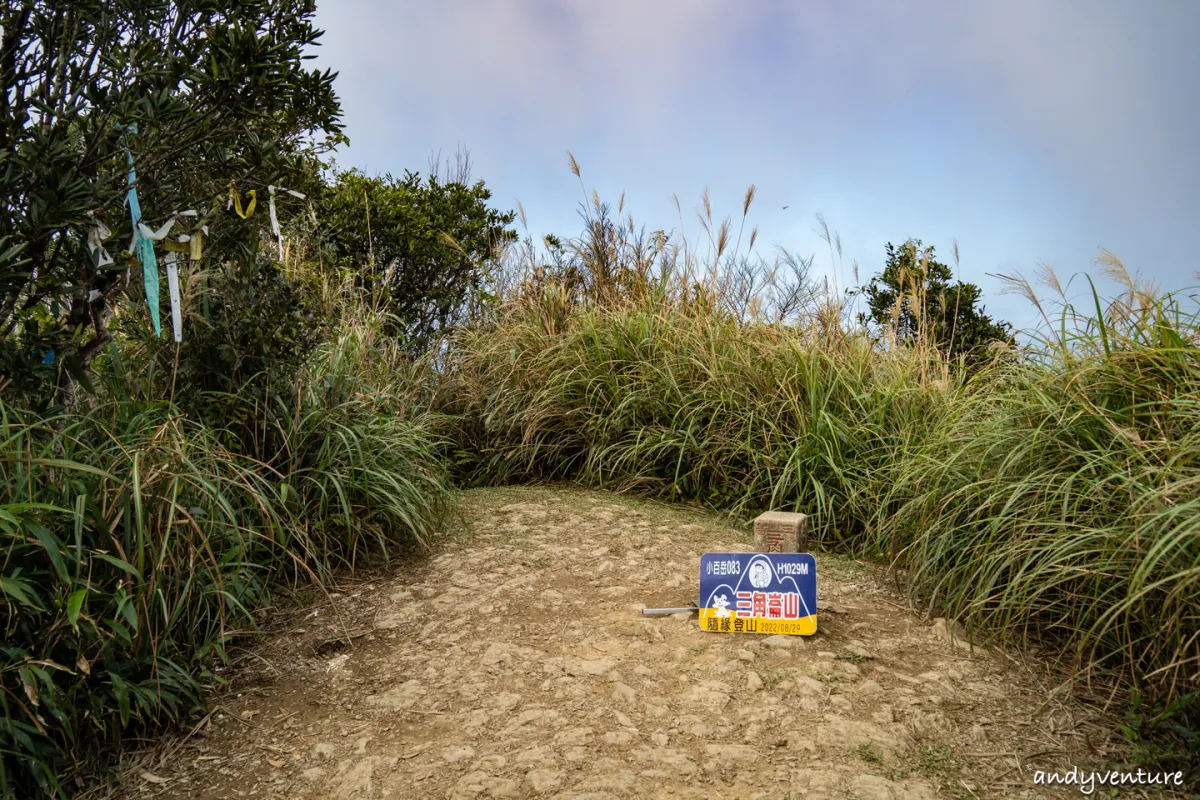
(729, 594)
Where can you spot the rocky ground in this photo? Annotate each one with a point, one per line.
(514, 663)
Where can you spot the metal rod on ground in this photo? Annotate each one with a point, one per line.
(666, 612)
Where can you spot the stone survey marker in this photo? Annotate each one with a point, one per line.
(781, 532)
(758, 593)
(772, 591)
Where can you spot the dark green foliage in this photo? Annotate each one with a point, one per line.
(915, 294)
(218, 92)
(425, 247)
(143, 530)
(259, 329)
(1166, 736)
(128, 550)
(135, 546)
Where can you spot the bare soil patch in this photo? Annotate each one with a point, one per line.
(514, 663)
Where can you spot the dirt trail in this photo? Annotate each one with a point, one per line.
(514, 663)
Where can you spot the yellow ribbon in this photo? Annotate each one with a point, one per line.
(237, 202)
(193, 245)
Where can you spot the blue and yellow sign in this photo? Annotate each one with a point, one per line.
(758, 593)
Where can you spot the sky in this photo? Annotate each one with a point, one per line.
(1029, 131)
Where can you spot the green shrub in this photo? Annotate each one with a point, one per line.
(248, 335)
(136, 546)
(130, 541)
(424, 246)
(357, 446)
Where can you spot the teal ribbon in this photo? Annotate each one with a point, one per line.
(143, 247)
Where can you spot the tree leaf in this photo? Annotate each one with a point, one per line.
(53, 547)
(125, 565)
(121, 693)
(30, 686)
(74, 604)
(17, 589)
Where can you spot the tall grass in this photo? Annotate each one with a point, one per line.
(698, 407)
(1063, 503)
(1051, 499)
(1050, 495)
(137, 546)
(359, 446)
(134, 547)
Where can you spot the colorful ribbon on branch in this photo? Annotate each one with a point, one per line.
(274, 219)
(173, 289)
(159, 234)
(95, 243)
(185, 243)
(235, 202)
(143, 248)
(143, 239)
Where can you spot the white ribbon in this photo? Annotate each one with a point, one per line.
(162, 232)
(159, 234)
(95, 244)
(274, 219)
(173, 287)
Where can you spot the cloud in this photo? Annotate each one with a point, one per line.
(1028, 129)
(1079, 78)
(1073, 76)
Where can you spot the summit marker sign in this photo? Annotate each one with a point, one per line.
(758, 593)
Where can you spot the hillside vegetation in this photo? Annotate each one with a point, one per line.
(1048, 495)
(336, 380)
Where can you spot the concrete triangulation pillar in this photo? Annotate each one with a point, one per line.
(781, 532)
